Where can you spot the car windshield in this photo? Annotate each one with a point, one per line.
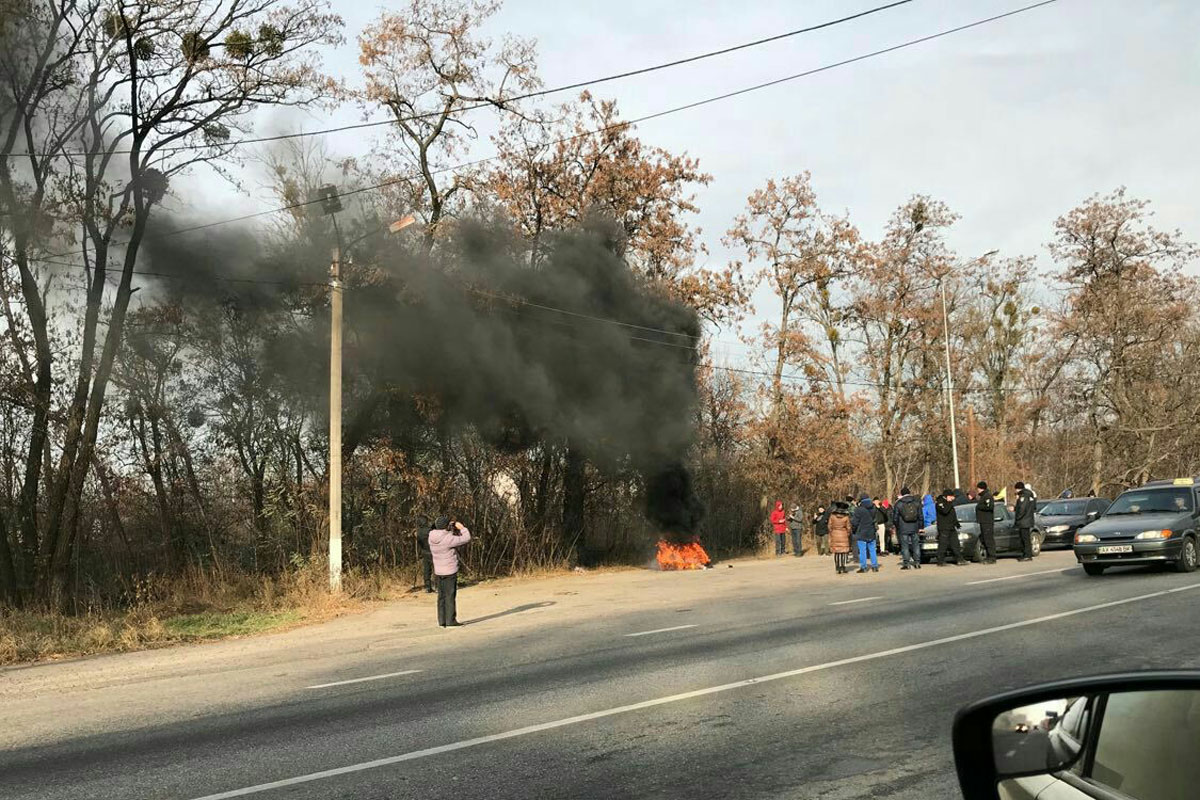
(1152, 501)
(966, 513)
(1065, 508)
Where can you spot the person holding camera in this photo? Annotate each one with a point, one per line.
(444, 540)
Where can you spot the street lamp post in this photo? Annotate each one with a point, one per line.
(331, 204)
(949, 372)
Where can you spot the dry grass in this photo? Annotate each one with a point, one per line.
(198, 606)
(214, 604)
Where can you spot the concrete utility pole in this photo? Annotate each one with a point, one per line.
(335, 421)
(950, 386)
(971, 444)
(949, 373)
(331, 204)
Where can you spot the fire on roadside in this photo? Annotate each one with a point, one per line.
(673, 556)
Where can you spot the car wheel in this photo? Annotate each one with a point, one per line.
(1187, 556)
(980, 554)
(1093, 569)
(1035, 546)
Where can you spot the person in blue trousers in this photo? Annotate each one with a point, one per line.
(863, 523)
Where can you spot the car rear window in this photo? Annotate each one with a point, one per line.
(1150, 501)
(1064, 508)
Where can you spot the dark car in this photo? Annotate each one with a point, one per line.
(1155, 524)
(1060, 519)
(1008, 543)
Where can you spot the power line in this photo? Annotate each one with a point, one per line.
(503, 102)
(622, 124)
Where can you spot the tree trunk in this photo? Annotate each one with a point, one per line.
(8, 575)
(71, 479)
(27, 512)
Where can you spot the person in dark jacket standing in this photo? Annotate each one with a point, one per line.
(985, 516)
(906, 516)
(1024, 512)
(865, 534)
(880, 515)
(444, 541)
(795, 521)
(426, 556)
(947, 529)
(820, 523)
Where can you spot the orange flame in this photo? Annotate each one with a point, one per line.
(681, 556)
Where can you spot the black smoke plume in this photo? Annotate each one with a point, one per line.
(576, 350)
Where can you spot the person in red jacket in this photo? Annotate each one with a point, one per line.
(779, 525)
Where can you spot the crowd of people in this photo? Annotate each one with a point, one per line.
(872, 527)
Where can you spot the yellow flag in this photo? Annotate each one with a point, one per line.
(1002, 495)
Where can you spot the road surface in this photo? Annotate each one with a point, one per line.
(770, 679)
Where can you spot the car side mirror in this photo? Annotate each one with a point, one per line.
(1093, 514)
(1001, 743)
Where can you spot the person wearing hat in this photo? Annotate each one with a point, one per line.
(840, 535)
(985, 516)
(1024, 512)
(947, 529)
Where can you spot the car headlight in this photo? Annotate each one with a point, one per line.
(1084, 538)
(1163, 534)
(1057, 529)
(962, 537)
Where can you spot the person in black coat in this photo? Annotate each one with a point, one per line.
(865, 535)
(820, 523)
(947, 529)
(985, 516)
(1024, 512)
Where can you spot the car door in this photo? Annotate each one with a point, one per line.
(1005, 532)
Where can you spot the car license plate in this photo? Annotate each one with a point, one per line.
(929, 546)
(1116, 548)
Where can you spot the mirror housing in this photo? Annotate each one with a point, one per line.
(1092, 514)
(976, 746)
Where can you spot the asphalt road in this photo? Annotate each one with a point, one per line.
(842, 690)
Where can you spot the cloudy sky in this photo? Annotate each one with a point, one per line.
(1011, 124)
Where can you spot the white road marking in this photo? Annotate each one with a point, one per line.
(369, 678)
(674, 698)
(1014, 577)
(859, 600)
(660, 630)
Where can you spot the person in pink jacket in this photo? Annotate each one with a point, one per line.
(444, 541)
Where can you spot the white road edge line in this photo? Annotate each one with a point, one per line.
(1014, 577)
(859, 600)
(369, 678)
(660, 630)
(674, 698)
